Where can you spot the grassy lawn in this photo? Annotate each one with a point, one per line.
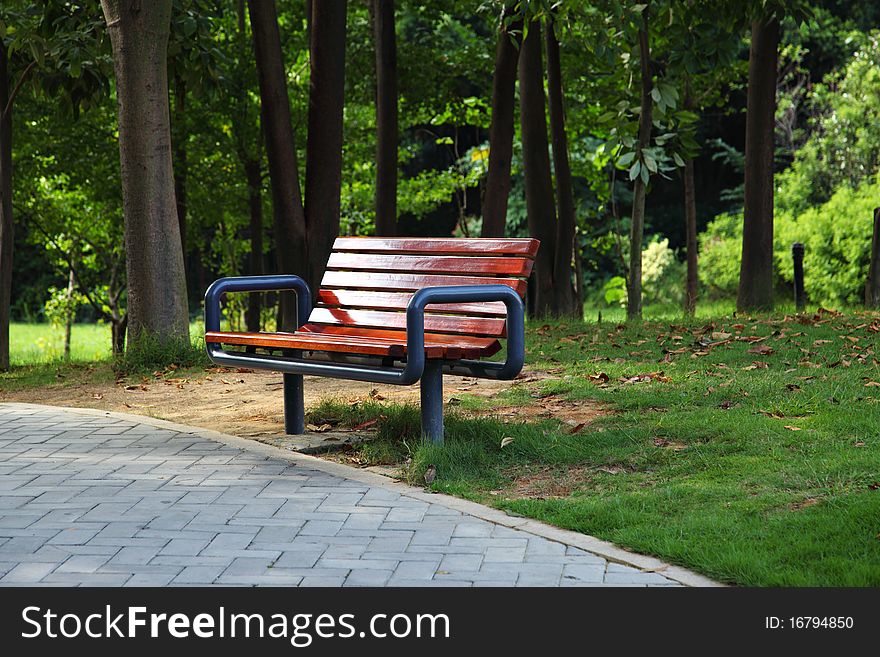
(748, 450)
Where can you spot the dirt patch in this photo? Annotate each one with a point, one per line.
(577, 414)
(545, 483)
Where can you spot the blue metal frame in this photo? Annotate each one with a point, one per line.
(415, 366)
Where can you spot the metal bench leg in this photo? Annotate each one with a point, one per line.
(294, 412)
(432, 401)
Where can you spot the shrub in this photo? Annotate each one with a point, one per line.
(836, 236)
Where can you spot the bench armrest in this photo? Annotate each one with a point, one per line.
(256, 284)
(415, 321)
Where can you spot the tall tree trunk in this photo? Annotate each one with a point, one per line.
(386, 117)
(291, 246)
(254, 174)
(501, 130)
(157, 303)
(637, 230)
(324, 145)
(756, 271)
(872, 285)
(181, 166)
(690, 223)
(540, 205)
(566, 298)
(6, 225)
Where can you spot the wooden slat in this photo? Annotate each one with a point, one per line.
(410, 282)
(365, 342)
(430, 263)
(381, 319)
(399, 301)
(487, 346)
(438, 245)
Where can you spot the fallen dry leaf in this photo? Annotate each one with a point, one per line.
(365, 425)
(319, 428)
(506, 441)
(577, 428)
(762, 349)
(599, 377)
(792, 428)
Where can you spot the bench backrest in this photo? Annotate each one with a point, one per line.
(369, 281)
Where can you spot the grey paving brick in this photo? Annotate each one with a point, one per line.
(101, 501)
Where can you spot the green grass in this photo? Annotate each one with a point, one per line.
(35, 344)
(699, 469)
(36, 355)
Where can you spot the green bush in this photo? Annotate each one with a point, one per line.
(720, 255)
(836, 236)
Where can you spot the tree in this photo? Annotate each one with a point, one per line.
(157, 301)
(289, 214)
(6, 224)
(386, 116)
(567, 302)
(756, 272)
(324, 144)
(501, 130)
(640, 186)
(536, 164)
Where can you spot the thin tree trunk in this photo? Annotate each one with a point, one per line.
(756, 271)
(386, 117)
(117, 330)
(181, 166)
(69, 310)
(566, 298)
(157, 302)
(540, 206)
(324, 145)
(254, 173)
(690, 222)
(291, 246)
(501, 130)
(6, 224)
(637, 230)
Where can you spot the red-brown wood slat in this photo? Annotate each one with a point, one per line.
(410, 282)
(365, 342)
(490, 326)
(481, 346)
(399, 301)
(430, 263)
(440, 245)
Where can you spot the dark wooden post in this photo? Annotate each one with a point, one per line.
(797, 255)
(872, 287)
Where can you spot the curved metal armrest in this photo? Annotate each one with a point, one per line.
(415, 323)
(256, 284)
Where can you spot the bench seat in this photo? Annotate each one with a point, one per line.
(369, 342)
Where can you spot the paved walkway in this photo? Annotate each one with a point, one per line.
(96, 498)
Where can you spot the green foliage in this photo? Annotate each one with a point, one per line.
(662, 273)
(836, 235)
(720, 255)
(843, 148)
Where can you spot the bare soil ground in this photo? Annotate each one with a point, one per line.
(249, 403)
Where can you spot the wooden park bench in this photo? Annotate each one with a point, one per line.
(390, 311)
